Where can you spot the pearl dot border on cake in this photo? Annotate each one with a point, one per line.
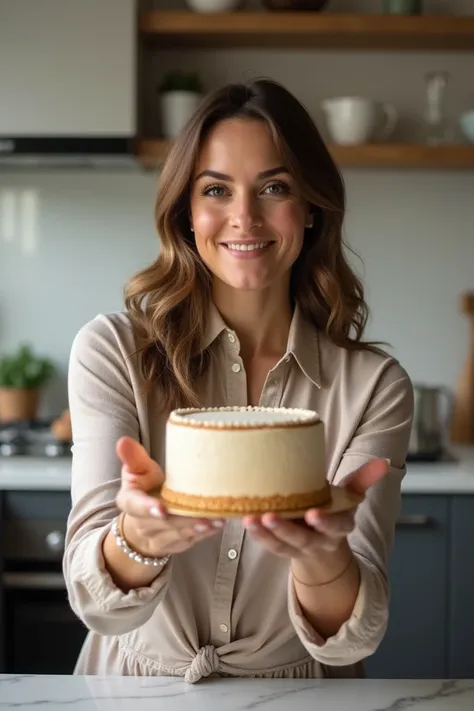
(296, 416)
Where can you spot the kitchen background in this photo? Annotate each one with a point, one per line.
(70, 238)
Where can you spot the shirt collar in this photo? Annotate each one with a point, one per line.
(303, 341)
(303, 344)
(214, 327)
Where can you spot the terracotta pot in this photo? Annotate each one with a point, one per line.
(17, 404)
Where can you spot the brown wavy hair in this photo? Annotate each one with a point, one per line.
(168, 302)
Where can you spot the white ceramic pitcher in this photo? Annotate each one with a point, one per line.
(355, 119)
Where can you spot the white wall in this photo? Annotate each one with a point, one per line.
(69, 240)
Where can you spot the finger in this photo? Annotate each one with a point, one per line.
(267, 537)
(366, 476)
(301, 538)
(336, 525)
(182, 543)
(136, 460)
(138, 503)
(200, 525)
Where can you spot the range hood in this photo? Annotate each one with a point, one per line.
(67, 84)
(21, 152)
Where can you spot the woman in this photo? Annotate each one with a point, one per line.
(250, 301)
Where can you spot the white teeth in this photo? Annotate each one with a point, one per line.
(247, 247)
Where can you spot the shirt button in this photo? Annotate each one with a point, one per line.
(232, 554)
(236, 367)
(223, 628)
(231, 337)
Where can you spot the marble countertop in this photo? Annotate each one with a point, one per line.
(61, 693)
(447, 477)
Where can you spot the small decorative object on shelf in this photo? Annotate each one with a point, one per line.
(180, 95)
(466, 121)
(403, 7)
(296, 5)
(462, 422)
(22, 375)
(437, 128)
(352, 120)
(213, 5)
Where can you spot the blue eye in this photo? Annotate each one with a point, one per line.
(213, 190)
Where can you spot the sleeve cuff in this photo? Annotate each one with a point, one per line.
(88, 570)
(360, 635)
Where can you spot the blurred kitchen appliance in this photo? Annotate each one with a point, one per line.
(32, 438)
(68, 84)
(432, 412)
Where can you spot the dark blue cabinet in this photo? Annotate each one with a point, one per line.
(461, 589)
(431, 624)
(415, 643)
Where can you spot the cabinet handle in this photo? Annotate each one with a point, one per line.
(414, 521)
(33, 581)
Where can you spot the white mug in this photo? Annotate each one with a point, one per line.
(352, 120)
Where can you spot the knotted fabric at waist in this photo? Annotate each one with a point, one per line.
(205, 663)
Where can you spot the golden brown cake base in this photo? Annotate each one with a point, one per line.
(245, 504)
(331, 499)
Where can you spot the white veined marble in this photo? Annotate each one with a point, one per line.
(63, 693)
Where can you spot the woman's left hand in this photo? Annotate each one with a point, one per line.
(322, 532)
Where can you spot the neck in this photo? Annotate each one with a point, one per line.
(261, 319)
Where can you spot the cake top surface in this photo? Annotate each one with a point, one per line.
(242, 417)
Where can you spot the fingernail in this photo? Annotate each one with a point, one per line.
(200, 528)
(155, 511)
(388, 461)
(270, 524)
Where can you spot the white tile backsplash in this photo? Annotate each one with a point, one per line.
(413, 230)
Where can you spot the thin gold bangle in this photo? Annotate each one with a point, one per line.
(328, 582)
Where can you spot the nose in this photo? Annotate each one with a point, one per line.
(245, 214)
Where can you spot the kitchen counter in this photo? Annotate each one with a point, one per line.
(61, 693)
(448, 477)
(35, 473)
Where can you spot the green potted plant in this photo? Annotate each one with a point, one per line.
(22, 375)
(180, 94)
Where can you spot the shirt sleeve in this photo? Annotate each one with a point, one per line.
(383, 431)
(103, 409)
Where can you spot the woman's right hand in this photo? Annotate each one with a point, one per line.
(147, 527)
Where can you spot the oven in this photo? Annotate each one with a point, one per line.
(40, 632)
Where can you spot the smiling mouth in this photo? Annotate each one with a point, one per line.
(236, 247)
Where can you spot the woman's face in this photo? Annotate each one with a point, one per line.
(247, 212)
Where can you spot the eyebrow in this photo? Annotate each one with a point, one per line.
(223, 176)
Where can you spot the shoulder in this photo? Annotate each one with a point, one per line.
(103, 332)
(364, 372)
(105, 347)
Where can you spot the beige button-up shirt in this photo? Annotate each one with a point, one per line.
(226, 606)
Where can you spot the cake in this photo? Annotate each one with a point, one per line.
(235, 461)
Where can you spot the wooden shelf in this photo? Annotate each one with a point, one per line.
(300, 30)
(152, 153)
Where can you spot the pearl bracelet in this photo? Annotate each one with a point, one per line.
(137, 557)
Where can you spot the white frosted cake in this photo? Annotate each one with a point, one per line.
(241, 460)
